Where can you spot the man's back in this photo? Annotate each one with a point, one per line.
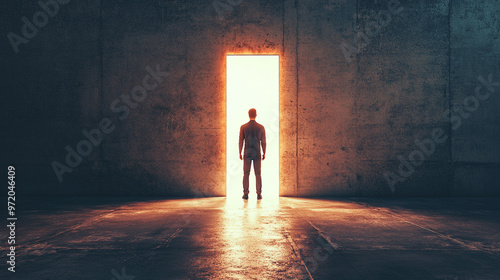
(253, 134)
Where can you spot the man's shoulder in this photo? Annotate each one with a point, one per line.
(255, 124)
(251, 124)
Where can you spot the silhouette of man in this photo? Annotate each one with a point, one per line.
(253, 135)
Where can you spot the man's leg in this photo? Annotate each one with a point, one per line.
(247, 163)
(258, 178)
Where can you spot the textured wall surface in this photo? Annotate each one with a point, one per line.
(362, 84)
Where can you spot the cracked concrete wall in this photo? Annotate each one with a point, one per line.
(347, 114)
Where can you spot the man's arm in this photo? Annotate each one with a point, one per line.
(263, 141)
(240, 144)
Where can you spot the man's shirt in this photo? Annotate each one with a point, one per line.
(253, 135)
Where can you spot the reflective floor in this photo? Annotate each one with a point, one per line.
(289, 238)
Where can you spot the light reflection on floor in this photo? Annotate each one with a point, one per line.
(213, 238)
(253, 237)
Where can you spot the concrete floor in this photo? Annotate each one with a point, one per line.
(293, 238)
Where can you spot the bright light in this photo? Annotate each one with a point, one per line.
(252, 81)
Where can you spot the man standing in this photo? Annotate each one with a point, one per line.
(254, 135)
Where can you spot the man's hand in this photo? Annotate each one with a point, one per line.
(241, 157)
(263, 157)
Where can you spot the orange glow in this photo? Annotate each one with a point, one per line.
(252, 81)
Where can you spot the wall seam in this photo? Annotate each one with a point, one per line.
(283, 30)
(101, 84)
(452, 169)
(280, 161)
(297, 97)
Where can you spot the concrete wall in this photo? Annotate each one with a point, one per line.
(360, 82)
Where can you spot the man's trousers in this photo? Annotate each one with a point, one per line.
(247, 163)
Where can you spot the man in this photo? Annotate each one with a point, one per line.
(254, 135)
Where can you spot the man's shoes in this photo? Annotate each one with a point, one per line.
(259, 196)
(245, 196)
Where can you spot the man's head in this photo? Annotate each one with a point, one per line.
(252, 114)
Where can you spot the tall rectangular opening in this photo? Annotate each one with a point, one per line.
(252, 81)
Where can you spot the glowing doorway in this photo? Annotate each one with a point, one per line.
(252, 81)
